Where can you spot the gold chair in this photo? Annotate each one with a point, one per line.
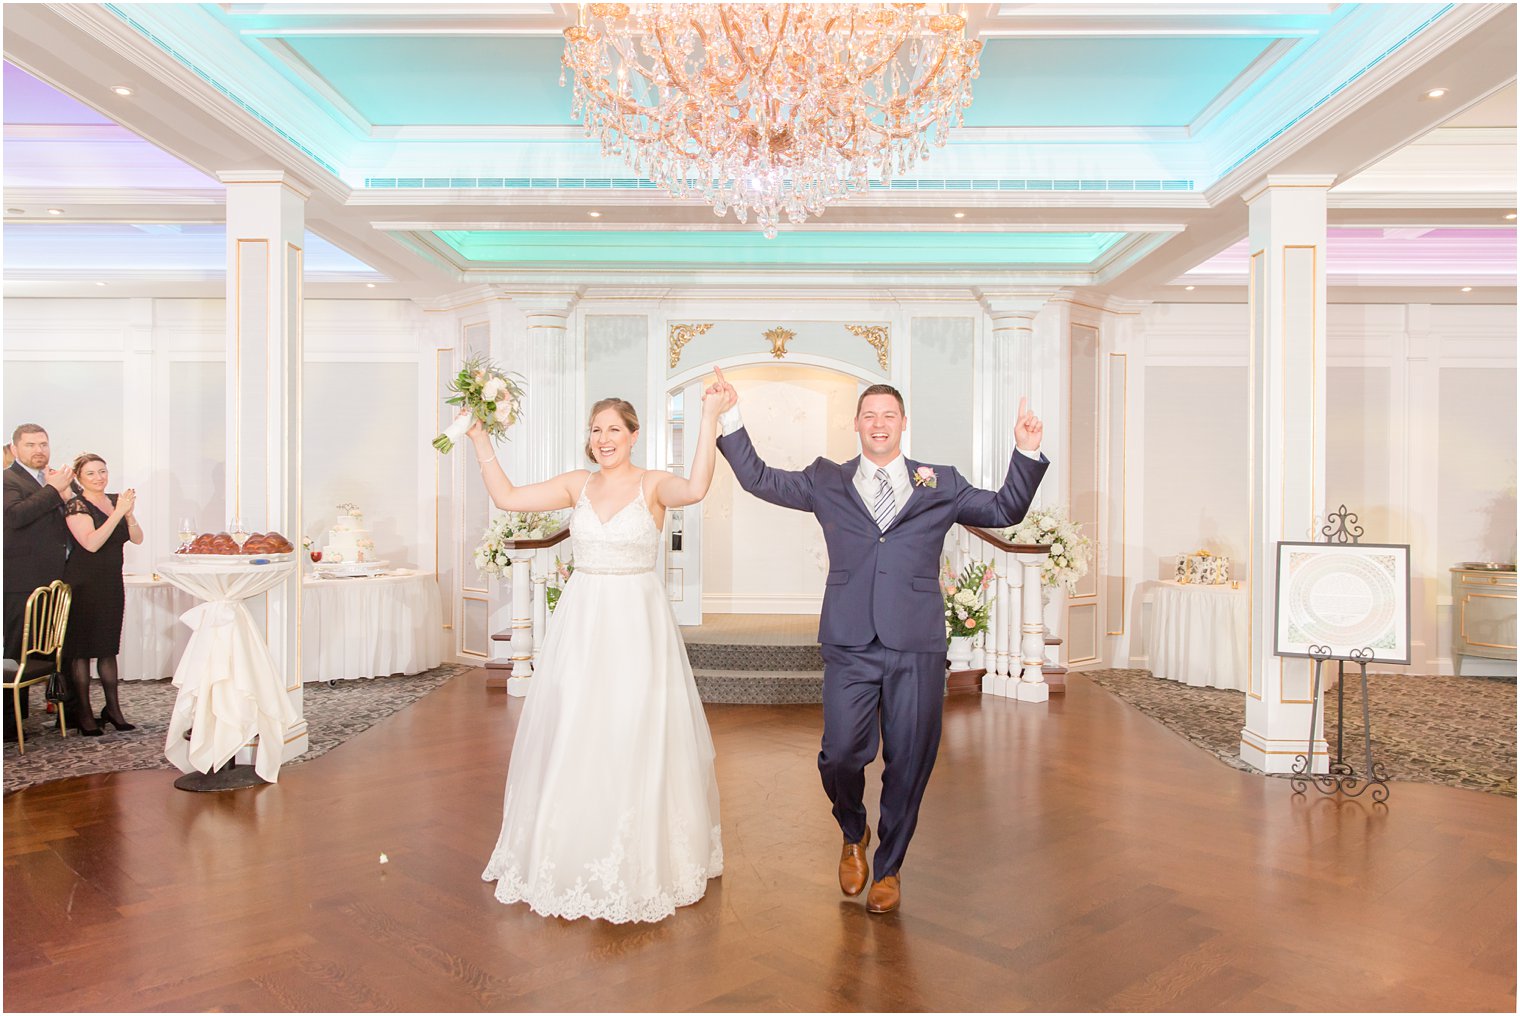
(47, 618)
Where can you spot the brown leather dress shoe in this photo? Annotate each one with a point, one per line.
(853, 870)
(884, 895)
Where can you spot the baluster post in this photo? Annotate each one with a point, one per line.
(1032, 686)
(522, 622)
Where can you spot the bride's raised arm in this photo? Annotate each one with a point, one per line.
(678, 491)
(548, 496)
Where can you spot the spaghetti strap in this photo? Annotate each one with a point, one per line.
(583, 489)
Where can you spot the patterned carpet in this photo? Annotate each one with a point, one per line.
(333, 715)
(1456, 731)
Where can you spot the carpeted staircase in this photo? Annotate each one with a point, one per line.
(755, 659)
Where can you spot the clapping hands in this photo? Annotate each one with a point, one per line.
(1028, 431)
(719, 397)
(60, 479)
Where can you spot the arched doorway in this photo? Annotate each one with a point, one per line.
(735, 553)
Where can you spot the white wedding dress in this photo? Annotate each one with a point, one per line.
(612, 802)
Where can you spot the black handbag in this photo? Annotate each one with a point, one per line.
(57, 687)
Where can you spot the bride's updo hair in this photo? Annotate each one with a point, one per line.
(624, 409)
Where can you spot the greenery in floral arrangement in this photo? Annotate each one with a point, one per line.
(1069, 549)
(492, 556)
(966, 597)
(488, 394)
(562, 572)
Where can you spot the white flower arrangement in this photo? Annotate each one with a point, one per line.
(965, 597)
(1069, 549)
(493, 556)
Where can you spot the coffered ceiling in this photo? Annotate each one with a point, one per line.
(1107, 146)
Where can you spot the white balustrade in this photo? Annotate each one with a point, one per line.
(1013, 646)
(532, 565)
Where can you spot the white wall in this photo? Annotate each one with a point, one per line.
(1420, 441)
(140, 381)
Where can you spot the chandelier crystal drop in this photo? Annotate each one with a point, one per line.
(769, 109)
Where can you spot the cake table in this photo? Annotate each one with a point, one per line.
(229, 688)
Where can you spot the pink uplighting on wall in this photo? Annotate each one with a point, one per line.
(1363, 253)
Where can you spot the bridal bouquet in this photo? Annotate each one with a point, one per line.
(493, 556)
(1069, 549)
(965, 597)
(490, 395)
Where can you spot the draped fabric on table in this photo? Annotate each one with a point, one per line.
(370, 627)
(152, 637)
(229, 689)
(1198, 635)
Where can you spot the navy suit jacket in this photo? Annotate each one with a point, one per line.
(884, 584)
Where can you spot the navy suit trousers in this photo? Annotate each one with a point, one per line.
(871, 693)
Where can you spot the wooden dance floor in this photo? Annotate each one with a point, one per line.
(1073, 855)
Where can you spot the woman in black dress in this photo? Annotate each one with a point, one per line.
(99, 524)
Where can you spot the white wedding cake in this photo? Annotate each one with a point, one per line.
(349, 551)
(348, 541)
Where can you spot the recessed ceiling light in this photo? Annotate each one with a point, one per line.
(1189, 288)
(1435, 93)
(371, 285)
(1467, 289)
(15, 211)
(100, 283)
(55, 211)
(1510, 216)
(595, 215)
(121, 89)
(960, 215)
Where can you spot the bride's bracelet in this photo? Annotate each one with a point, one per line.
(482, 462)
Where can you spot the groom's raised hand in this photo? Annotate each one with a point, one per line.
(727, 396)
(1028, 431)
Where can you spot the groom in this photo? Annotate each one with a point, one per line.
(882, 629)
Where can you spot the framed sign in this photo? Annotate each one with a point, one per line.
(1342, 597)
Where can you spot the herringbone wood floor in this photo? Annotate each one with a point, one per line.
(1073, 855)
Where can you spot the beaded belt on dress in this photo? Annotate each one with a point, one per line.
(614, 571)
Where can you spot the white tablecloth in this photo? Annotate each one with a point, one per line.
(229, 689)
(370, 627)
(391, 624)
(152, 637)
(1198, 634)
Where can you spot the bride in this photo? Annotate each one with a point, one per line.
(612, 803)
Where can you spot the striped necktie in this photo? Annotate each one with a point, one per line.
(884, 506)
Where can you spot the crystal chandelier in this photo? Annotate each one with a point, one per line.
(769, 108)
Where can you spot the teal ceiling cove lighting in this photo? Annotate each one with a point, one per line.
(1137, 82)
(733, 247)
(412, 79)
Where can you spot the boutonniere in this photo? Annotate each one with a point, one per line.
(923, 476)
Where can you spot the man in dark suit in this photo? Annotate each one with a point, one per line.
(882, 628)
(36, 537)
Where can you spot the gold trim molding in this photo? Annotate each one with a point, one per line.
(680, 335)
(878, 337)
(779, 338)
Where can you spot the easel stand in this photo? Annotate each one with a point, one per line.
(1341, 777)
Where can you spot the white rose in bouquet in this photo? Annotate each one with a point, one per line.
(1069, 549)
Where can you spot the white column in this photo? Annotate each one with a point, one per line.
(1287, 454)
(550, 434)
(522, 622)
(1032, 686)
(1008, 371)
(266, 240)
(530, 336)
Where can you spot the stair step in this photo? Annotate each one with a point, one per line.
(760, 687)
(729, 656)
